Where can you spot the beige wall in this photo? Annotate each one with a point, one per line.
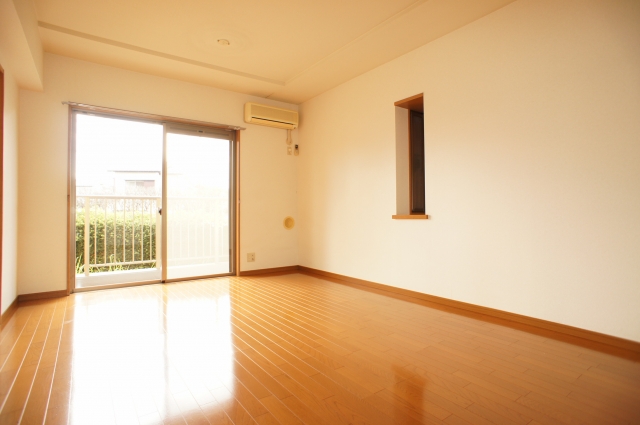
(268, 175)
(10, 190)
(20, 45)
(532, 123)
(28, 16)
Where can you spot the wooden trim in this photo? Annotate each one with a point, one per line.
(237, 209)
(8, 314)
(149, 117)
(577, 336)
(42, 295)
(280, 270)
(1, 178)
(410, 164)
(413, 103)
(410, 217)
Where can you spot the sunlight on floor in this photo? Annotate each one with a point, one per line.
(166, 341)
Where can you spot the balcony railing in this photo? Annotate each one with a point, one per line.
(197, 230)
(124, 232)
(116, 233)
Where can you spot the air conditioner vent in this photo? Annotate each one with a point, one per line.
(271, 116)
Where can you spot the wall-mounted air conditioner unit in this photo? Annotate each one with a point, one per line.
(255, 113)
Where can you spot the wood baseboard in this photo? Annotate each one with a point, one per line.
(42, 295)
(8, 314)
(594, 340)
(280, 270)
(590, 339)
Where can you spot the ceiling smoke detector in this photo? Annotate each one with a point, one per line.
(223, 42)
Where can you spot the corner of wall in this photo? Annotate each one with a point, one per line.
(10, 192)
(20, 43)
(27, 13)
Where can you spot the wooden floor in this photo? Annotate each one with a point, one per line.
(293, 349)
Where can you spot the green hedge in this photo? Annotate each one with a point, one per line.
(114, 229)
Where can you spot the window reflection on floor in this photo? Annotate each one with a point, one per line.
(147, 356)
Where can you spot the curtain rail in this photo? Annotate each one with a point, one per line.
(152, 117)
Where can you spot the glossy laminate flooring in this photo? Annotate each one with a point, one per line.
(293, 349)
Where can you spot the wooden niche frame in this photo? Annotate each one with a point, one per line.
(416, 161)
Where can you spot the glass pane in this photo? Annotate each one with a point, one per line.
(198, 214)
(118, 193)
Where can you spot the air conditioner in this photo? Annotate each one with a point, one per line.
(255, 113)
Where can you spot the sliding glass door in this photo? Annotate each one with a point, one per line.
(198, 202)
(152, 201)
(118, 188)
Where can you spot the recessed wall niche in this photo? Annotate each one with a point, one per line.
(410, 170)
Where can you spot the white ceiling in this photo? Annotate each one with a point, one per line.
(288, 50)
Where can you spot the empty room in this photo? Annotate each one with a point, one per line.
(324, 212)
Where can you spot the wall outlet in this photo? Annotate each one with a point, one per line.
(251, 257)
(289, 150)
